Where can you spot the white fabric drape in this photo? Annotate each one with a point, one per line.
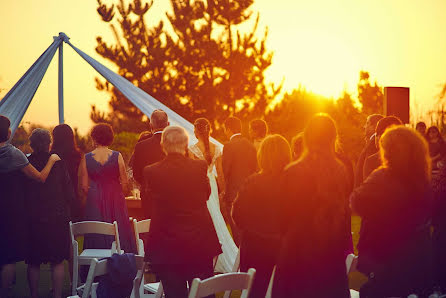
(143, 101)
(16, 101)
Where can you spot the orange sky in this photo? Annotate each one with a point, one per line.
(320, 44)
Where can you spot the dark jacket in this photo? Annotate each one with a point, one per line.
(394, 243)
(118, 282)
(239, 160)
(371, 163)
(146, 152)
(181, 230)
(315, 237)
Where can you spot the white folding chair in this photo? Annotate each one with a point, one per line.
(91, 227)
(350, 264)
(235, 268)
(139, 227)
(223, 282)
(99, 268)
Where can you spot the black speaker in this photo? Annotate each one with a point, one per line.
(396, 103)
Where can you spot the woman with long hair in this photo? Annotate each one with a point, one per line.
(206, 150)
(395, 206)
(436, 144)
(65, 146)
(313, 217)
(256, 212)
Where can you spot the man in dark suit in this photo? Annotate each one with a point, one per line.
(369, 148)
(374, 161)
(182, 241)
(239, 161)
(148, 152)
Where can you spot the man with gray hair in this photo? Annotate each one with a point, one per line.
(182, 240)
(148, 152)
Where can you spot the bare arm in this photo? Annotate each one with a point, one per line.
(220, 175)
(123, 174)
(32, 172)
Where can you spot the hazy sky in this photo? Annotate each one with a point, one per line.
(320, 44)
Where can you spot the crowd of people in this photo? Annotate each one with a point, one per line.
(285, 206)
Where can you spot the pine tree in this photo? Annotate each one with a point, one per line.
(370, 96)
(202, 65)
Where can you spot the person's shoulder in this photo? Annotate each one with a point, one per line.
(149, 169)
(199, 163)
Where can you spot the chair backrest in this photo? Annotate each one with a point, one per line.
(223, 282)
(349, 261)
(139, 227)
(95, 227)
(235, 268)
(98, 268)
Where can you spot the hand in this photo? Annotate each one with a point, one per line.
(54, 158)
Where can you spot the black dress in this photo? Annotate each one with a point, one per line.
(395, 244)
(13, 229)
(48, 213)
(256, 214)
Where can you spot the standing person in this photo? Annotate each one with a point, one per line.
(313, 218)
(374, 161)
(396, 202)
(182, 241)
(211, 153)
(239, 161)
(148, 152)
(64, 145)
(256, 212)
(48, 206)
(436, 145)
(297, 145)
(14, 167)
(369, 148)
(103, 179)
(257, 131)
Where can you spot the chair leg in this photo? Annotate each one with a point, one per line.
(75, 273)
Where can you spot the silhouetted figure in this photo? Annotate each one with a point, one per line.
(182, 241)
(103, 179)
(48, 208)
(64, 145)
(374, 161)
(437, 146)
(369, 148)
(148, 152)
(256, 212)
(395, 204)
(14, 166)
(421, 128)
(312, 259)
(257, 131)
(239, 161)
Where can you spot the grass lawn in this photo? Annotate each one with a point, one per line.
(21, 288)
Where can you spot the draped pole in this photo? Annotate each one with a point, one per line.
(65, 38)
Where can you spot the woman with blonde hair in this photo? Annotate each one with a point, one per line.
(314, 219)
(395, 203)
(256, 212)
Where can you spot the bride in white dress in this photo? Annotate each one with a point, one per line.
(210, 152)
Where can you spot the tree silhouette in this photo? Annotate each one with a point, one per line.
(201, 65)
(370, 96)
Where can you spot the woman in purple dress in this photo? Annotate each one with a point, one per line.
(102, 178)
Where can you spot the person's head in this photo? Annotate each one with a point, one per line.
(174, 140)
(320, 134)
(102, 134)
(370, 124)
(202, 128)
(233, 125)
(421, 128)
(258, 129)
(63, 140)
(5, 129)
(433, 133)
(274, 154)
(384, 124)
(159, 120)
(405, 152)
(40, 140)
(297, 145)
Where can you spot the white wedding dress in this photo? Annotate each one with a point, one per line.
(226, 260)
